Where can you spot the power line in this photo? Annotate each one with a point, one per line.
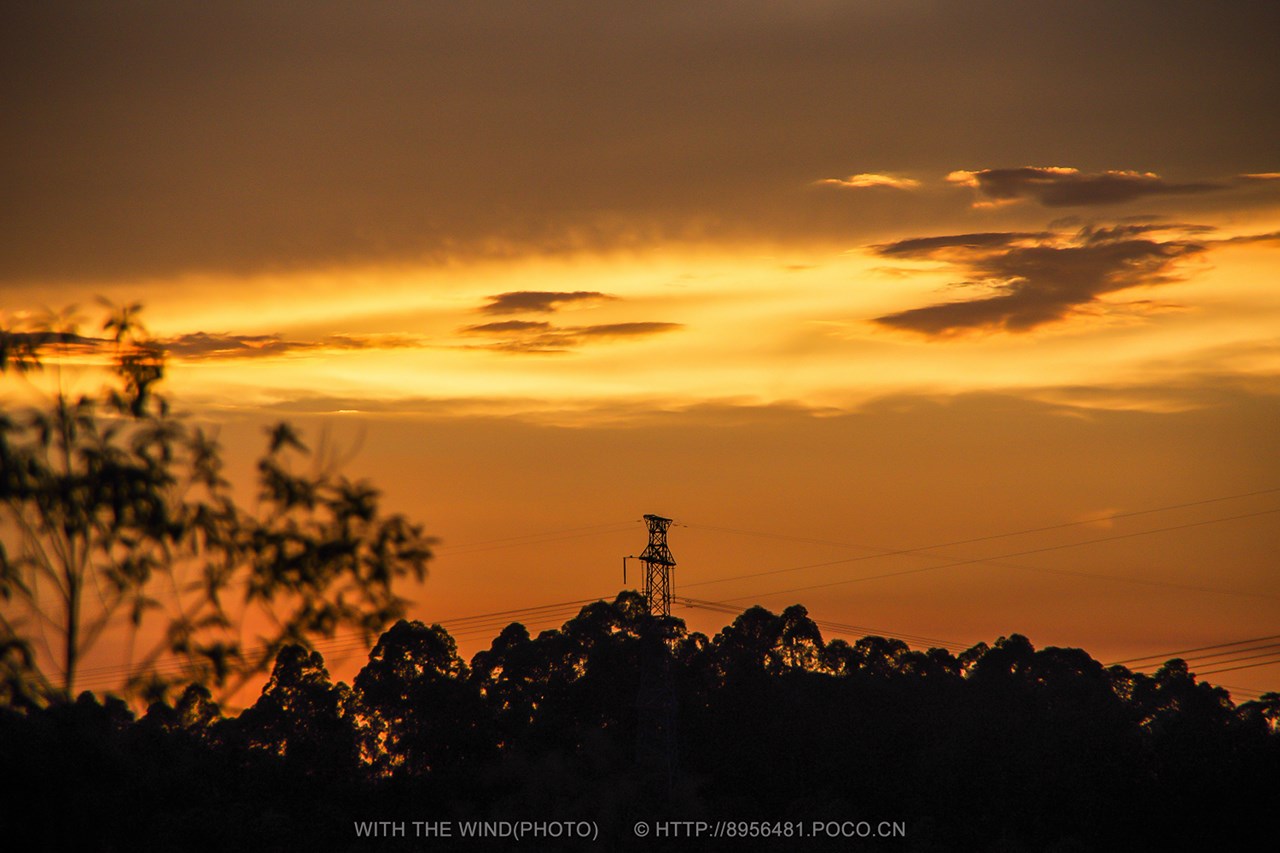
(542, 533)
(1273, 652)
(479, 623)
(543, 538)
(1163, 656)
(1243, 666)
(1201, 659)
(995, 561)
(1247, 692)
(882, 552)
(921, 550)
(981, 559)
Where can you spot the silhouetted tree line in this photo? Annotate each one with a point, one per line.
(1001, 748)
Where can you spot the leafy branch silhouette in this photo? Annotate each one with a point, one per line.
(116, 521)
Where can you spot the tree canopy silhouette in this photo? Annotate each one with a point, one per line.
(1002, 747)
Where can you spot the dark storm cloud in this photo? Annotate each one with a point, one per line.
(144, 140)
(539, 301)
(1067, 187)
(522, 337)
(1033, 285)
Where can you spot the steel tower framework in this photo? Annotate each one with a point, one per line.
(658, 564)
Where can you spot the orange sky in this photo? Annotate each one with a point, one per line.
(813, 279)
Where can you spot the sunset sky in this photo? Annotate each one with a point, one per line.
(819, 280)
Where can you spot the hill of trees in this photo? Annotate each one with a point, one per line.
(1001, 748)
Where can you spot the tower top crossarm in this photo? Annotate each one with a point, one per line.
(657, 551)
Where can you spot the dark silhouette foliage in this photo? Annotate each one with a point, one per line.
(115, 519)
(1001, 748)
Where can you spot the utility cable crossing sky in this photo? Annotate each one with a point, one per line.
(1224, 657)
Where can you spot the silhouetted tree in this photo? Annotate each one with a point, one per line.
(416, 709)
(1266, 708)
(115, 516)
(507, 675)
(301, 716)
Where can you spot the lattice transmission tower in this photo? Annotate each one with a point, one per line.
(658, 564)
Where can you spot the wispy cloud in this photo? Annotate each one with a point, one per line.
(507, 327)
(1271, 237)
(1061, 186)
(202, 345)
(534, 337)
(1034, 280)
(1093, 234)
(867, 180)
(625, 330)
(539, 301)
(931, 247)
